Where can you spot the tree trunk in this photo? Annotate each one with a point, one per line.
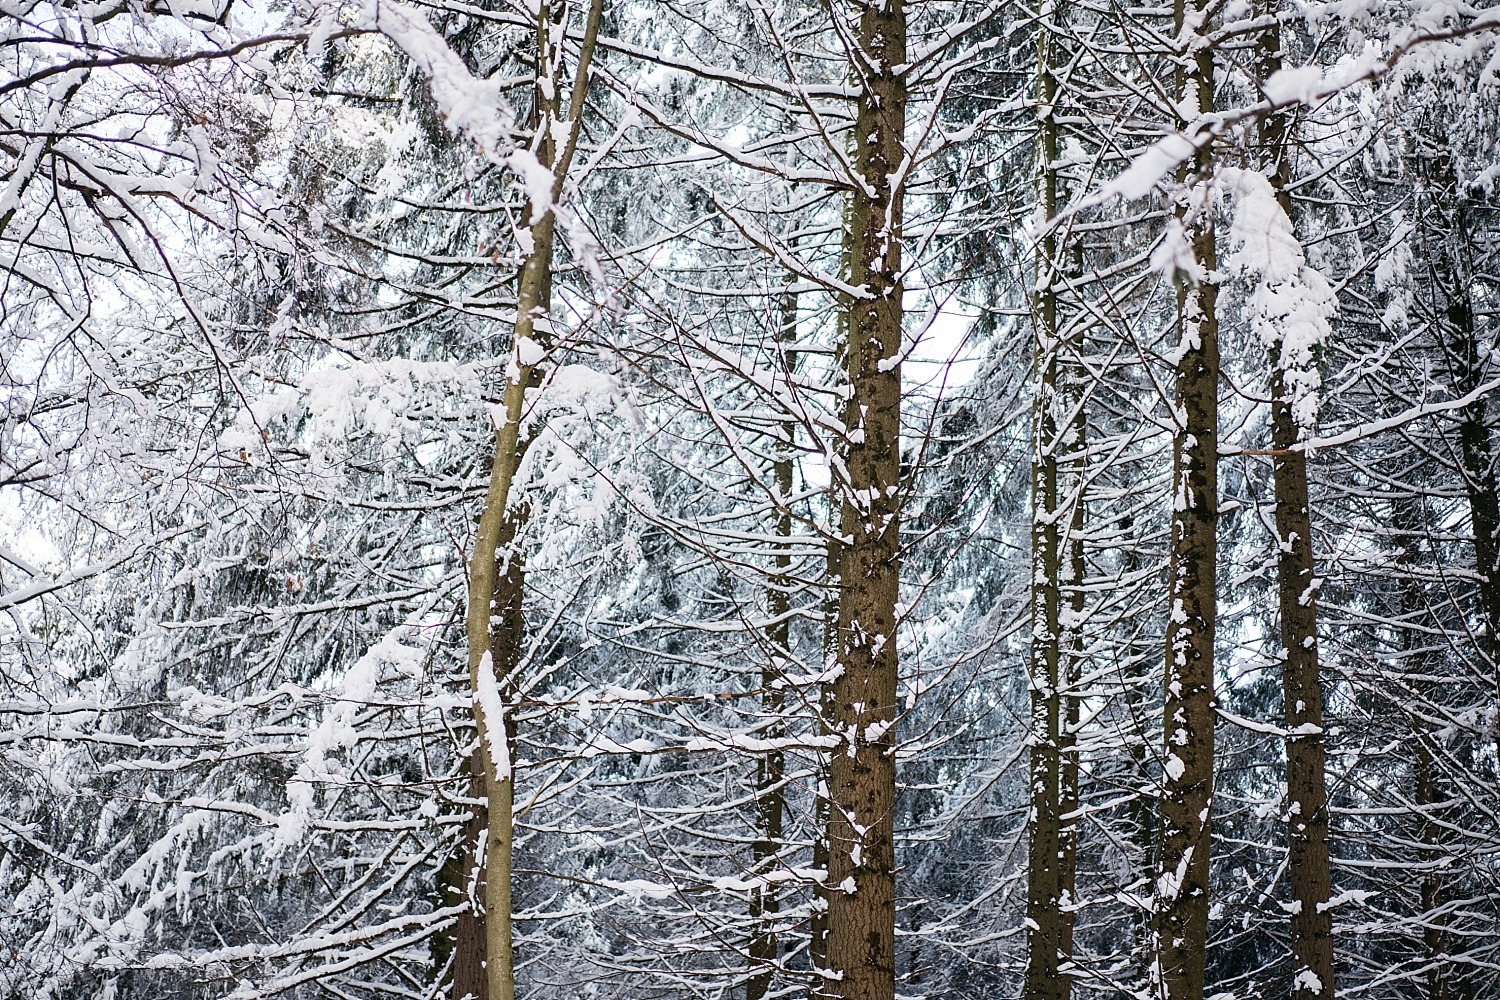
(1181, 910)
(1434, 931)
(765, 949)
(461, 881)
(1443, 978)
(862, 773)
(1309, 868)
(495, 626)
(1056, 427)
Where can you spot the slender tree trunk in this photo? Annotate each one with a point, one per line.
(1056, 554)
(817, 946)
(1181, 910)
(1141, 808)
(1309, 868)
(862, 774)
(765, 949)
(495, 625)
(1478, 453)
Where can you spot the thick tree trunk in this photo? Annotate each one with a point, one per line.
(862, 774)
(1181, 909)
(1309, 870)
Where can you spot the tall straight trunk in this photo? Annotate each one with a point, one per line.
(860, 963)
(1309, 869)
(1181, 908)
(495, 625)
(1056, 560)
(765, 947)
(1141, 808)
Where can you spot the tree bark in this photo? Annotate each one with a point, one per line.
(862, 773)
(461, 881)
(495, 626)
(1309, 869)
(1181, 908)
(1444, 979)
(765, 949)
(1056, 561)
(1448, 268)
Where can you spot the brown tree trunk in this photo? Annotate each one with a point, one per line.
(765, 949)
(1181, 908)
(495, 625)
(862, 773)
(1056, 553)
(1309, 869)
(461, 881)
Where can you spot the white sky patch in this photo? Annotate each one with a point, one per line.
(943, 354)
(21, 541)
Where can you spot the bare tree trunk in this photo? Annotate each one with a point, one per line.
(1181, 910)
(817, 945)
(862, 774)
(461, 882)
(1309, 867)
(1056, 427)
(765, 949)
(496, 628)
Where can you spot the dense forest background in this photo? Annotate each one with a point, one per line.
(749, 499)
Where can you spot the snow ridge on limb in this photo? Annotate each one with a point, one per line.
(1290, 304)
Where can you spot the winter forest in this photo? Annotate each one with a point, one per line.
(749, 499)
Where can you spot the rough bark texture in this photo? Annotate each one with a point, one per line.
(1309, 873)
(862, 774)
(1056, 554)
(461, 881)
(1309, 870)
(1181, 908)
